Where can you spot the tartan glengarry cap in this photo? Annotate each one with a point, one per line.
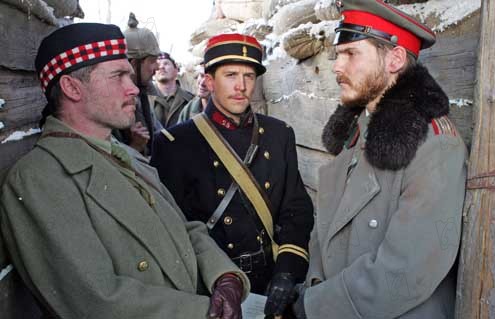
(363, 19)
(75, 46)
(234, 48)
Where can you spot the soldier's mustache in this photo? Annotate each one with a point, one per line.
(343, 79)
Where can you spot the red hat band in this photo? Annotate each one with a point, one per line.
(403, 37)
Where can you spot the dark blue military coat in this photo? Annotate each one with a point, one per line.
(198, 180)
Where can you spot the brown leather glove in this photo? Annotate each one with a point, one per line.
(225, 301)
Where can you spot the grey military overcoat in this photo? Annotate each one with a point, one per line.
(90, 246)
(388, 223)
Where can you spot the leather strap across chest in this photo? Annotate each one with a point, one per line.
(240, 173)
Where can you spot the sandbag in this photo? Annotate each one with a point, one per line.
(326, 10)
(211, 28)
(49, 10)
(270, 7)
(63, 8)
(198, 50)
(256, 28)
(308, 40)
(241, 10)
(293, 15)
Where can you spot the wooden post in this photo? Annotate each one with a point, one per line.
(475, 287)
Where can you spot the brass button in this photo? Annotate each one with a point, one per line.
(216, 163)
(266, 154)
(230, 246)
(227, 220)
(221, 192)
(261, 130)
(258, 238)
(267, 185)
(143, 265)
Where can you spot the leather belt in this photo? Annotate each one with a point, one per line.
(249, 262)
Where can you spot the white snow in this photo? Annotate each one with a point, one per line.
(19, 135)
(461, 102)
(6, 271)
(447, 11)
(311, 96)
(1, 125)
(2, 102)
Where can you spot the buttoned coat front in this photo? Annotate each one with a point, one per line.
(385, 240)
(89, 246)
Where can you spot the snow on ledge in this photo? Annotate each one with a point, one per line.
(447, 12)
(6, 271)
(19, 135)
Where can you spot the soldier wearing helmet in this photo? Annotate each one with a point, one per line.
(143, 51)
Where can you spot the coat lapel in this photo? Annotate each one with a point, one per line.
(360, 190)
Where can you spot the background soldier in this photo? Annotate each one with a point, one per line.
(395, 190)
(200, 181)
(143, 51)
(90, 228)
(199, 102)
(171, 98)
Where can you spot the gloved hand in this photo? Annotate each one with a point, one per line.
(225, 301)
(280, 292)
(298, 305)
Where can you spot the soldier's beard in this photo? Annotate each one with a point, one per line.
(373, 85)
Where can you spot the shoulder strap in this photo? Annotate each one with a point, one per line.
(239, 172)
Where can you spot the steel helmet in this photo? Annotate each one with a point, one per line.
(141, 42)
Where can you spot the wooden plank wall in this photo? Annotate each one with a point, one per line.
(20, 36)
(305, 94)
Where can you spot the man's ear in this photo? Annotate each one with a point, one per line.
(71, 87)
(210, 82)
(397, 59)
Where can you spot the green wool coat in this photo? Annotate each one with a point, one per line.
(89, 246)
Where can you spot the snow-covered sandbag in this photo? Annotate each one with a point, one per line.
(270, 7)
(47, 11)
(309, 39)
(63, 8)
(241, 10)
(293, 15)
(211, 28)
(326, 10)
(256, 28)
(301, 45)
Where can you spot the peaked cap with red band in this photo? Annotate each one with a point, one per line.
(363, 19)
(234, 48)
(75, 46)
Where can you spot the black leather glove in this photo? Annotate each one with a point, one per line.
(298, 305)
(280, 292)
(225, 301)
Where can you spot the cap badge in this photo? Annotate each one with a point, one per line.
(244, 51)
(394, 39)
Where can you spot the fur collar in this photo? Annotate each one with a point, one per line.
(398, 126)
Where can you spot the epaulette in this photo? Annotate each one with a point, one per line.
(167, 134)
(443, 126)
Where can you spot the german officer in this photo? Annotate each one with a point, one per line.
(387, 231)
(199, 177)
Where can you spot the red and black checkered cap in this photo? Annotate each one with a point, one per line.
(75, 46)
(377, 19)
(234, 48)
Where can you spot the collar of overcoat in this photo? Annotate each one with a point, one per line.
(398, 126)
